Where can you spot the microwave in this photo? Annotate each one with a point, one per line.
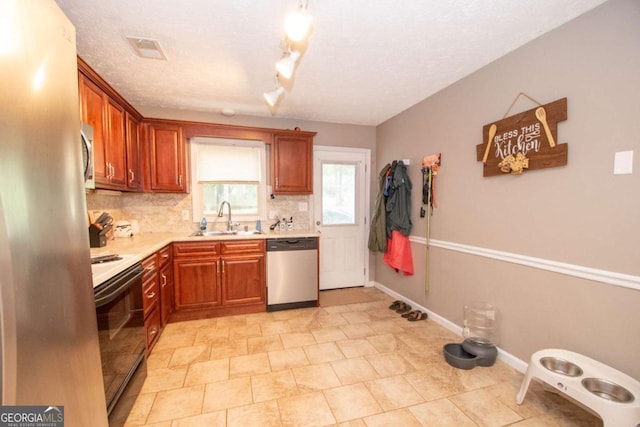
(86, 139)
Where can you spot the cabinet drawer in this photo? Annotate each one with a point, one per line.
(152, 327)
(242, 246)
(197, 248)
(150, 265)
(164, 256)
(150, 291)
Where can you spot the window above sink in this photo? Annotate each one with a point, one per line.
(231, 170)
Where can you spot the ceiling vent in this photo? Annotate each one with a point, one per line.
(147, 48)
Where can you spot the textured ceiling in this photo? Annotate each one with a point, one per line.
(365, 61)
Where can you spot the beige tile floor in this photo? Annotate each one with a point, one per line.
(357, 364)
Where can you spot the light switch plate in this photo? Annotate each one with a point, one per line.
(623, 162)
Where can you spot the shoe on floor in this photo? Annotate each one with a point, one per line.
(395, 305)
(411, 313)
(403, 308)
(417, 315)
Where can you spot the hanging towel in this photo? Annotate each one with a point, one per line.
(398, 255)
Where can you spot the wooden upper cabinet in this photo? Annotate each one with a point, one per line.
(92, 112)
(116, 132)
(167, 168)
(115, 147)
(292, 164)
(134, 153)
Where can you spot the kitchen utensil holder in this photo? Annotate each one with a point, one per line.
(97, 236)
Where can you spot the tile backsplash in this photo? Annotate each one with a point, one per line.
(162, 213)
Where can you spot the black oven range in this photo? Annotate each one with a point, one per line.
(122, 340)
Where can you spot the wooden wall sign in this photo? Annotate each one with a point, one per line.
(524, 141)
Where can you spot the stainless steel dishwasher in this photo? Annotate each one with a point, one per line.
(292, 273)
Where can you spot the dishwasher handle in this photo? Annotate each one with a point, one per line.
(292, 244)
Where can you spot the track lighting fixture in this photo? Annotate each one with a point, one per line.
(296, 26)
(287, 64)
(273, 96)
(298, 23)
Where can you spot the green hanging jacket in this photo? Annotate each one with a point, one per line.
(378, 227)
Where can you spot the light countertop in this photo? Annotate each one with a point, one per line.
(140, 246)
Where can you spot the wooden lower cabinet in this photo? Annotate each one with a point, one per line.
(150, 300)
(243, 279)
(166, 285)
(218, 278)
(196, 283)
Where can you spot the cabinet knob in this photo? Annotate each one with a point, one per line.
(152, 295)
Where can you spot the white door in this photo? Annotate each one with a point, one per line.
(341, 190)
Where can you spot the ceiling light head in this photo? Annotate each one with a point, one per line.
(273, 96)
(297, 23)
(287, 64)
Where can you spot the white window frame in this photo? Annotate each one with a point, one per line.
(196, 188)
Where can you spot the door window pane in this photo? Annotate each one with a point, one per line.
(338, 194)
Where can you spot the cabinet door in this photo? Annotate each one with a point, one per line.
(196, 283)
(166, 293)
(152, 327)
(134, 150)
(92, 101)
(292, 164)
(166, 158)
(150, 291)
(243, 279)
(115, 146)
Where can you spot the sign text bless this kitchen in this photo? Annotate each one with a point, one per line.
(529, 134)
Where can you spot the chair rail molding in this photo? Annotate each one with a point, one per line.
(603, 276)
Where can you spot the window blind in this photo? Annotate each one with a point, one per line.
(225, 162)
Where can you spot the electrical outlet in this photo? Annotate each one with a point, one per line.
(185, 215)
(303, 206)
(273, 214)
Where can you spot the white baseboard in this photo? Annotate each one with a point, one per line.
(506, 357)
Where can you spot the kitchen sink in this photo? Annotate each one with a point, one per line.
(219, 233)
(229, 233)
(248, 233)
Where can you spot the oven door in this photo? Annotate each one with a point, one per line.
(122, 336)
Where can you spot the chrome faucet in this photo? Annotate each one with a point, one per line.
(220, 214)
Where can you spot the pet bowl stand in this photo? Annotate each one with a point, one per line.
(611, 394)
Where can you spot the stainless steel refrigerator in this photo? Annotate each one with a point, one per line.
(50, 353)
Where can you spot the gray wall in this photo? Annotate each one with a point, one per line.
(579, 214)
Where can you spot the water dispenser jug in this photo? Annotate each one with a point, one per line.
(480, 323)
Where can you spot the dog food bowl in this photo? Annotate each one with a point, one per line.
(457, 357)
(608, 390)
(561, 366)
(611, 394)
